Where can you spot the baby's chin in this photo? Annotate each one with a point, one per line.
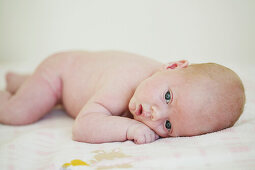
(132, 105)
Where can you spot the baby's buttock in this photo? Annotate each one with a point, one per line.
(68, 74)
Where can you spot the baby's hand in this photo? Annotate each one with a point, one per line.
(141, 134)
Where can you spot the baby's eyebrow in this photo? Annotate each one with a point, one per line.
(162, 98)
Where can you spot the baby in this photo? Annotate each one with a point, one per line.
(117, 96)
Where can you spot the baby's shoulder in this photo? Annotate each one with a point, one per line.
(114, 96)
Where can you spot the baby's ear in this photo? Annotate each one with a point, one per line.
(177, 64)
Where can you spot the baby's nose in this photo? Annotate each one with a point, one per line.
(146, 110)
(154, 113)
(151, 112)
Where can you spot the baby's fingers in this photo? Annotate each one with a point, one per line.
(140, 140)
(149, 138)
(153, 137)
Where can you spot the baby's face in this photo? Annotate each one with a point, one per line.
(169, 106)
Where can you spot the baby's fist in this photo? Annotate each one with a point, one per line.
(141, 134)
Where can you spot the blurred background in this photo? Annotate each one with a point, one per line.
(198, 30)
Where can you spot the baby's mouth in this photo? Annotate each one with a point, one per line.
(139, 110)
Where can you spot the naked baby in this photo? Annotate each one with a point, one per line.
(117, 96)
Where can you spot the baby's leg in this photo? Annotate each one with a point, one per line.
(14, 81)
(36, 97)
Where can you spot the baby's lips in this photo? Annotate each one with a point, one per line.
(139, 110)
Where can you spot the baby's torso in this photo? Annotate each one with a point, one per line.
(111, 77)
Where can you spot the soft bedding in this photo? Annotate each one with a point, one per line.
(47, 144)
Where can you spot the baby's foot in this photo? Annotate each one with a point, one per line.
(4, 97)
(14, 81)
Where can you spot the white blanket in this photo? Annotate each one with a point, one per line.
(47, 144)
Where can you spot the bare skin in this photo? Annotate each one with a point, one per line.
(102, 77)
(14, 81)
(104, 91)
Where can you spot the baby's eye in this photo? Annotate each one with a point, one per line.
(168, 97)
(168, 125)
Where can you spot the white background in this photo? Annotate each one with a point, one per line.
(198, 30)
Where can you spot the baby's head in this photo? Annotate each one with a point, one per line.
(188, 100)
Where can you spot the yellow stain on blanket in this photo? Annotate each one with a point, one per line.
(115, 154)
(75, 162)
(103, 160)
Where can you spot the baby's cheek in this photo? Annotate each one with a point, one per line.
(160, 131)
(163, 135)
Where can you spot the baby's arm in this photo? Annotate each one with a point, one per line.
(95, 124)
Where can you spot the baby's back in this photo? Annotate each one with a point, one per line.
(109, 76)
